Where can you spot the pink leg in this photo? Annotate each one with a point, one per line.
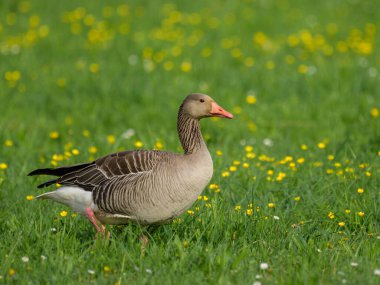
(92, 218)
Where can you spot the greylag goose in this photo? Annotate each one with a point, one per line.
(144, 186)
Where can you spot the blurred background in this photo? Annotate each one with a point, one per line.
(289, 70)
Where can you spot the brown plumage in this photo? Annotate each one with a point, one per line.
(143, 186)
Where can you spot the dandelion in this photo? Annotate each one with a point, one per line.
(233, 168)
(347, 211)
(92, 149)
(341, 224)
(86, 133)
(271, 205)
(11, 272)
(225, 174)
(245, 165)
(63, 214)
(304, 147)
(321, 145)
(54, 135)
(8, 143)
(251, 99)
(361, 214)
(360, 190)
(331, 215)
(3, 166)
(264, 266)
(75, 151)
(249, 212)
(111, 139)
(159, 145)
(205, 198)
(190, 212)
(330, 157)
(94, 68)
(186, 66)
(213, 186)
(106, 269)
(375, 112)
(138, 144)
(29, 197)
(301, 160)
(237, 208)
(219, 153)
(298, 198)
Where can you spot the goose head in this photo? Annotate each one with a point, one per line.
(200, 106)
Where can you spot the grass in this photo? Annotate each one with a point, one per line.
(303, 83)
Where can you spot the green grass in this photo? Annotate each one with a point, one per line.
(314, 70)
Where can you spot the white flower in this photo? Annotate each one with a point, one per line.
(148, 271)
(319, 250)
(90, 271)
(276, 217)
(264, 266)
(43, 257)
(258, 276)
(377, 271)
(128, 134)
(256, 283)
(25, 259)
(268, 142)
(53, 230)
(354, 264)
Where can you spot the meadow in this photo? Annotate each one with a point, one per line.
(295, 195)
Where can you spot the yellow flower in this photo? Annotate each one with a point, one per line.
(186, 66)
(360, 190)
(138, 144)
(341, 224)
(249, 212)
(190, 212)
(251, 99)
(200, 198)
(86, 133)
(245, 165)
(270, 172)
(331, 215)
(94, 67)
(304, 147)
(321, 145)
(111, 139)
(271, 205)
(107, 269)
(375, 112)
(329, 171)
(11, 272)
(63, 214)
(92, 149)
(361, 214)
(298, 198)
(3, 166)
(233, 168)
(248, 148)
(205, 198)
(347, 211)
(280, 176)
(303, 69)
(213, 186)
(8, 143)
(29, 197)
(219, 153)
(54, 135)
(237, 208)
(159, 145)
(368, 174)
(225, 174)
(75, 151)
(330, 157)
(300, 160)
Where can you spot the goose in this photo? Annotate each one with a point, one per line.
(142, 186)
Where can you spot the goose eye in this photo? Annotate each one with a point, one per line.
(201, 100)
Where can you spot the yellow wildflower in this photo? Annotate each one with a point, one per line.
(219, 153)
(63, 214)
(329, 171)
(94, 67)
(54, 135)
(321, 145)
(8, 143)
(249, 212)
(11, 272)
(271, 205)
(111, 139)
(330, 157)
(75, 151)
(3, 166)
(368, 174)
(331, 215)
(186, 66)
(245, 165)
(106, 269)
(225, 173)
(138, 144)
(347, 211)
(190, 212)
(361, 214)
(251, 99)
(213, 186)
(205, 198)
(86, 133)
(304, 147)
(298, 198)
(360, 190)
(92, 149)
(300, 160)
(341, 224)
(248, 148)
(29, 197)
(233, 168)
(237, 208)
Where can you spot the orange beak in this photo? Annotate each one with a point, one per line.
(217, 111)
